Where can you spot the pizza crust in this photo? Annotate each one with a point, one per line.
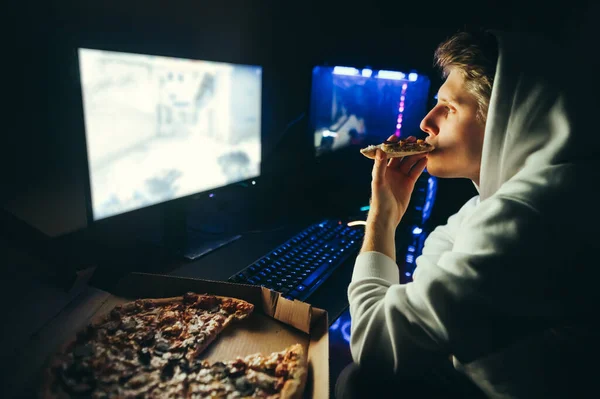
(294, 387)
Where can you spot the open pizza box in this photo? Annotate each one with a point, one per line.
(275, 324)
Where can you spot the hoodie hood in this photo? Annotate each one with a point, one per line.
(539, 113)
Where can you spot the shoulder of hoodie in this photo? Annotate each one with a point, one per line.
(558, 193)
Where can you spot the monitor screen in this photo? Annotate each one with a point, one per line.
(351, 106)
(160, 128)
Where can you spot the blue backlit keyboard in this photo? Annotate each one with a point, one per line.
(297, 267)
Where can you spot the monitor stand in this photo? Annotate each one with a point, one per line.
(182, 240)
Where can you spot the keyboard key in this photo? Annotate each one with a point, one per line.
(315, 275)
(293, 295)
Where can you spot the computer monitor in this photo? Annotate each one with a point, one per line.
(160, 128)
(360, 106)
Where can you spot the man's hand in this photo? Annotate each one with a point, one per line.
(393, 183)
(391, 188)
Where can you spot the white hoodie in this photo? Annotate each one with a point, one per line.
(518, 262)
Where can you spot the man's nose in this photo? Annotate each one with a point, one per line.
(427, 125)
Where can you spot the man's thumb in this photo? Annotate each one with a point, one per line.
(379, 166)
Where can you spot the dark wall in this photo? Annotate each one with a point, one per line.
(43, 175)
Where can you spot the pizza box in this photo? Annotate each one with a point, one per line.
(275, 324)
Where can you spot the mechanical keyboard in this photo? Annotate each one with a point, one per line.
(298, 266)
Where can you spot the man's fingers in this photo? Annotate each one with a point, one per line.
(418, 168)
(379, 167)
(395, 162)
(405, 164)
(393, 138)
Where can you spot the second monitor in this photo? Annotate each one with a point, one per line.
(351, 106)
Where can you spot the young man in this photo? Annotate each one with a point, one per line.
(503, 292)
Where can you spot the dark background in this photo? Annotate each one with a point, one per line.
(44, 233)
(43, 172)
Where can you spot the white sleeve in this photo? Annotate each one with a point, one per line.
(441, 239)
(466, 303)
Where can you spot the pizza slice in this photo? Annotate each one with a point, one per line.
(398, 149)
(279, 375)
(211, 316)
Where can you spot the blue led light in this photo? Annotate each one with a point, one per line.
(410, 258)
(392, 75)
(346, 331)
(412, 77)
(365, 208)
(335, 325)
(366, 73)
(407, 274)
(430, 197)
(417, 230)
(411, 248)
(341, 70)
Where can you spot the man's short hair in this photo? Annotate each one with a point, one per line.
(475, 55)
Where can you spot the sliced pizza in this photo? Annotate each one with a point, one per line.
(141, 347)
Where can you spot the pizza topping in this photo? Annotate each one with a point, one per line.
(112, 326)
(174, 331)
(207, 302)
(137, 381)
(243, 386)
(281, 370)
(128, 353)
(218, 370)
(228, 305)
(115, 314)
(190, 297)
(168, 317)
(161, 347)
(262, 380)
(144, 356)
(145, 338)
(167, 371)
(125, 376)
(128, 324)
(236, 368)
